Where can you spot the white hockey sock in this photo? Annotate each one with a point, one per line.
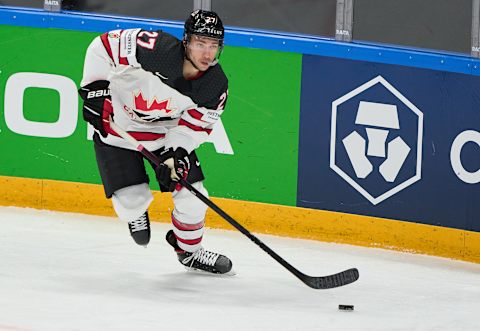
(189, 236)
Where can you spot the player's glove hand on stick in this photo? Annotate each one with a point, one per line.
(173, 168)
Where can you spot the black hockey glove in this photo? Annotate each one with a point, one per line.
(97, 106)
(164, 173)
(164, 177)
(181, 162)
(176, 165)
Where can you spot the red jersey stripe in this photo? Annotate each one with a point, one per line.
(147, 136)
(195, 114)
(193, 127)
(106, 44)
(143, 136)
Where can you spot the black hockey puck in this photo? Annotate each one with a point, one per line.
(345, 307)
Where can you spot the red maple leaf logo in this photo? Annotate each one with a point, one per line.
(145, 105)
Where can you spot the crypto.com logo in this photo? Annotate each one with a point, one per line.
(380, 125)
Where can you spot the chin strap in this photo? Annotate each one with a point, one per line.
(188, 59)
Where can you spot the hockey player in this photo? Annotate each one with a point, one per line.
(168, 94)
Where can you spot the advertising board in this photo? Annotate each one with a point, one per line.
(390, 141)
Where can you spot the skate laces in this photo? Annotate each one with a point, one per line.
(202, 256)
(139, 224)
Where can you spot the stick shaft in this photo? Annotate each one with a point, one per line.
(340, 279)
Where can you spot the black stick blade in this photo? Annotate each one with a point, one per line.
(325, 282)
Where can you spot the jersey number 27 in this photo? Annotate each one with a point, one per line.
(152, 38)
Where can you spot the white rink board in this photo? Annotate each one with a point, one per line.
(61, 271)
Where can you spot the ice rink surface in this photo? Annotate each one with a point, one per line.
(61, 271)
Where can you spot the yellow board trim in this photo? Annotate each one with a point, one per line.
(258, 217)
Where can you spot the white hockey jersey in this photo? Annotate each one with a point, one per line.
(151, 99)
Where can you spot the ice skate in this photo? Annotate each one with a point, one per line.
(140, 229)
(201, 260)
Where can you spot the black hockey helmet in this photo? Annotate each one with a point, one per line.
(204, 23)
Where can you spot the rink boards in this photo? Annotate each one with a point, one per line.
(321, 140)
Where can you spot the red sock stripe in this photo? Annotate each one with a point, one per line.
(189, 241)
(187, 227)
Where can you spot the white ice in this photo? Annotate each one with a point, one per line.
(61, 271)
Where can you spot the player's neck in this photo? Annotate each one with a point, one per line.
(189, 71)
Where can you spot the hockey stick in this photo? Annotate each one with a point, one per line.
(322, 282)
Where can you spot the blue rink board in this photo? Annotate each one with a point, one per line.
(450, 103)
(252, 38)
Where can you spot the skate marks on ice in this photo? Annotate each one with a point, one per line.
(63, 271)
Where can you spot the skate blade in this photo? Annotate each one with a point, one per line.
(203, 272)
